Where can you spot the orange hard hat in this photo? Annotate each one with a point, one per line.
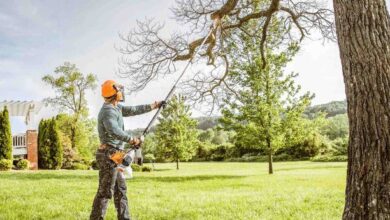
(108, 88)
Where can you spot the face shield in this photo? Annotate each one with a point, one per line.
(120, 89)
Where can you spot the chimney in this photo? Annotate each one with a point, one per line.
(32, 148)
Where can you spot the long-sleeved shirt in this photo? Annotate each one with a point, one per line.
(111, 126)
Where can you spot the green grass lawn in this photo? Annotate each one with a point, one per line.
(297, 190)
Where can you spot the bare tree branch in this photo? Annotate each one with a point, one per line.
(147, 55)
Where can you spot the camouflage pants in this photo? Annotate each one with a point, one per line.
(111, 183)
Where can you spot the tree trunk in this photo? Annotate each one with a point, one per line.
(363, 30)
(73, 137)
(177, 164)
(270, 167)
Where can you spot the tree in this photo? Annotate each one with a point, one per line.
(363, 29)
(337, 127)
(268, 104)
(5, 135)
(176, 134)
(85, 137)
(50, 151)
(70, 86)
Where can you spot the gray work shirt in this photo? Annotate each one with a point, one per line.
(110, 123)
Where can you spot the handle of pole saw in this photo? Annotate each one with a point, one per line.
(141, 141)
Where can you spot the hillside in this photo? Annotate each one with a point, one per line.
(331, 109)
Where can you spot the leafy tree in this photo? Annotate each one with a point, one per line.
(50, 151)
(5, 135)
(303, 137)
(267, 106)
(176, 133)
(85, 139)
(220, 137)
(206, 136)
(70, 86)
(337, 127)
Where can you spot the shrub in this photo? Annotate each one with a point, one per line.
(146, 169)
(23, 164)
(5, 164)
(79, 166)
(340, 146)
(222, 152)
(95, 165)
(50, 151)
(149, 157)
(136, 167)
(5, 136)
(329, 158)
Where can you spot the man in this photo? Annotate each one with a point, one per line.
(112, 137)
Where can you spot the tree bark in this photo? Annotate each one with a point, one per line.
(270, 160)
(177, 164)
(363, 30)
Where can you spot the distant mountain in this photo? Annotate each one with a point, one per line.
(331, 109)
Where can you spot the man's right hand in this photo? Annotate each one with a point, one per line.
(135, 141)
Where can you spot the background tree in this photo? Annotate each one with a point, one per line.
(85, 139)
(50, 151)
(176, 134)
(268, 101)
(5, 135)
(70, 86)
(336, 127)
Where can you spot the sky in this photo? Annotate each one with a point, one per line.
(37, 36)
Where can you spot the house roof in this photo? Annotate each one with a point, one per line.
(22, 108)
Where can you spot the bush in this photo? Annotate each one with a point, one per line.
(136, 167)
(222, 152)
(329, 158)
(79, 166)
(146, 169)
(94, 165)
(5, 164)
(23, 164)
(149, 158)
(340, 146)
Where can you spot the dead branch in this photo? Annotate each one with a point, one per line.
(147, 55)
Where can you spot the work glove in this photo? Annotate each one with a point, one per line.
(163, 103)
(135, 141)
(158, 104)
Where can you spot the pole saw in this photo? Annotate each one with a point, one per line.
(129, 155)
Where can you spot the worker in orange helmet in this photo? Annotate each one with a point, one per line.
(112, 138)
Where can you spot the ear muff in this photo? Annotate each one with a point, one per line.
(120, 95)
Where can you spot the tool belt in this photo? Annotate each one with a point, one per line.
(117, 156)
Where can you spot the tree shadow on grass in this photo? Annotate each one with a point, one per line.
(311, 167)
(59, 175)
(171, 179)
(162, 169)
(47, 176)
